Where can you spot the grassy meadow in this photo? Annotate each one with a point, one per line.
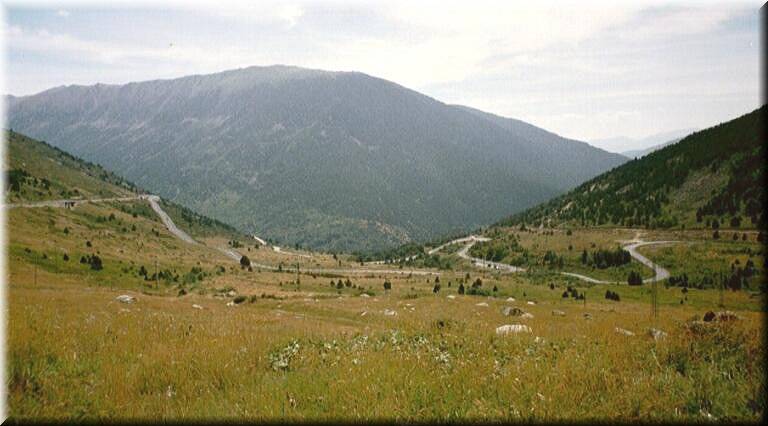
(310, 351)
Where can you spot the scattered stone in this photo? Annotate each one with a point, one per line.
(624, 332)
(726, 316)
(390, 312)
(481, 304)
(231, 303)
(231, 293)
(526, 316)
(196, 306)
(124, 298)
(364, 295)
(558, 313)
(512, 328)
(512, 311)
(364, 313)
(510, 299)
(530, 302)
(450, 296)
(657, 334)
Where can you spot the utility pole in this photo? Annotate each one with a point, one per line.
(655, 300)
(721, 290)
(157, 277)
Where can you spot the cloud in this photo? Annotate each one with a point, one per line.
(555, 64)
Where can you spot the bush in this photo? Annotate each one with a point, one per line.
(634, 278)
(239, 299)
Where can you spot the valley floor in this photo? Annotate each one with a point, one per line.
(327, 344)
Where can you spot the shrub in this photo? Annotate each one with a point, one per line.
(239, 299)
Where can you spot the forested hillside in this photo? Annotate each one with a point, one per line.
(711, 178)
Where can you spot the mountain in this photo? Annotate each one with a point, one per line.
(637, 153)
(331, 160)
(713, 175)
(623, 144)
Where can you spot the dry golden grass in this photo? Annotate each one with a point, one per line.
(318, 353)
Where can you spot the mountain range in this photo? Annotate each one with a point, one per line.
(339, 161)
(633, 147)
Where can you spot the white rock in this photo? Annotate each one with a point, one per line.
(364, 313)
(526, 316)
(510, 299)
(531, 303)
(231, 303)
(124, 298)
(657, 334)
(196, 306)
(624, 332)
(481, 304)
(450, 296)
(365, 295)
(389, 312)
(231, 293)
(512, 328)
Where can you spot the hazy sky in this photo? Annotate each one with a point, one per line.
(584, 70)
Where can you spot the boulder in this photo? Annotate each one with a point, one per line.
(726, 316)
(530, 302)
(558, 313)
(623, 331)
(526, 316)
(231, 293)
(510, 299)
(512, 329)
(390, 312)
(450, 296)
(125, 298)
(196, 306)
(364, 295)
(231, 303)
(720, 316)
(656, 334)
(512, 311)
(481, 304)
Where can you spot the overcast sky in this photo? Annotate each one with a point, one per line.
(584, 70)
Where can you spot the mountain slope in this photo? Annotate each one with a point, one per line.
(36, 171)
(712, 175)
(340, 161)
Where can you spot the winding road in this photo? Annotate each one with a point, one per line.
(230, 253)
(631, 245)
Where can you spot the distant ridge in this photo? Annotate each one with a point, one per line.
(339, 161)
